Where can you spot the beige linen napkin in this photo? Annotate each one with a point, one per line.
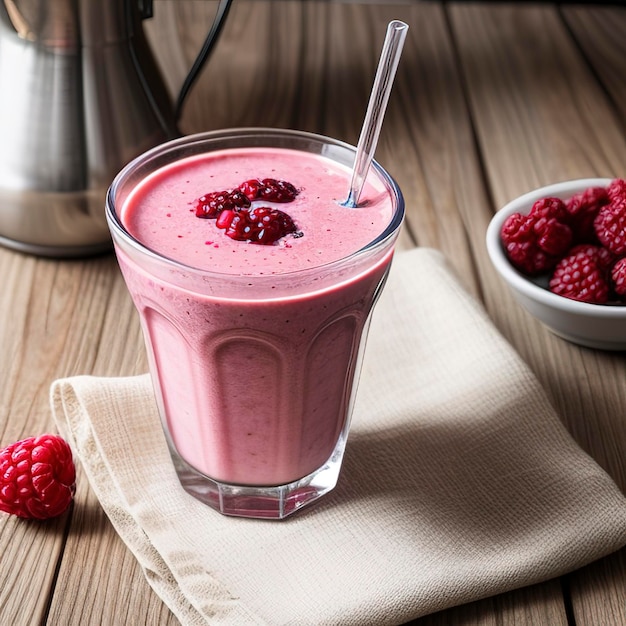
(459, 482)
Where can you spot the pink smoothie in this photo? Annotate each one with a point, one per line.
(254, 356)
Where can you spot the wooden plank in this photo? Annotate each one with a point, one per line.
(601, 35)
(531, 606)
(30, 551)
(598, 592)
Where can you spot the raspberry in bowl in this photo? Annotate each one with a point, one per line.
(560, 249)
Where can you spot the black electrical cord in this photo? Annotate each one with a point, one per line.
(209, 42)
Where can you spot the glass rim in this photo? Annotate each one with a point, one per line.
(173, 145)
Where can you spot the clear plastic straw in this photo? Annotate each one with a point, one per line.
(387, 66)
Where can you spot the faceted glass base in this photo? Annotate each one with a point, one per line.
(272, 502)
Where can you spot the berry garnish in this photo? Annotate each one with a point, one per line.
(581, 275)
(251, 188)
(210, 205)
(37, 477)
(269, 189)
(232, 212)
(273, 190)
(261, 225)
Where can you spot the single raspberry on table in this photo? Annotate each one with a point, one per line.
(269, 189)
(37, 477)
(582, 209)
(260, 225)
(582, 275)
(210, 205)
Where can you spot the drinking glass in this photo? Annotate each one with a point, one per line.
(254, 376)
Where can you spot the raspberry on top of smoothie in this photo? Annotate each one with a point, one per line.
(233, 212)
(287, 199)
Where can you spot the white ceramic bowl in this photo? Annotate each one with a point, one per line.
(591, 325)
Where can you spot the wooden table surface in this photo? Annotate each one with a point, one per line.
(491, 100)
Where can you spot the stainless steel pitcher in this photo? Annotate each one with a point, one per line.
(80, 96)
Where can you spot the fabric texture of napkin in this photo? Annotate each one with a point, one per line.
(459, 482)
